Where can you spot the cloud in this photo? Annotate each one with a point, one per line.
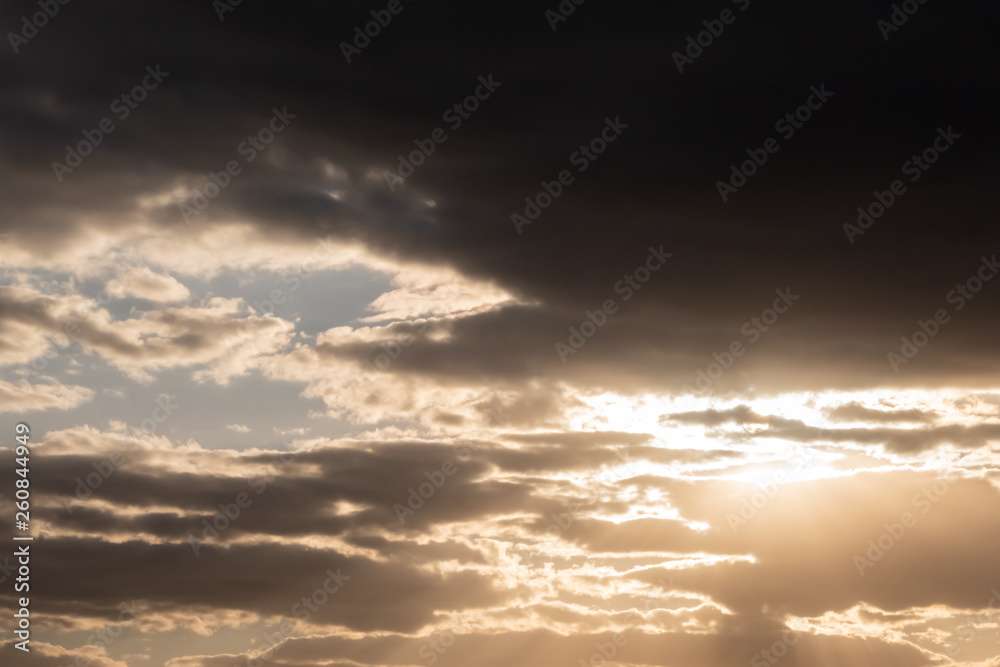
(465, 474)
(537, 648)
(317, 181)
(43, 654)
(857, 412)
(218, 334)
(144, 283)
(25, 397)
(532, 528)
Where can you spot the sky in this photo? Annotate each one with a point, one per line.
(533, 333)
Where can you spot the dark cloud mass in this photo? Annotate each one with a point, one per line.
(397, 333)
(655, 185)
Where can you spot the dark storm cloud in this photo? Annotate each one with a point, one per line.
(267, 579)
(655, 185)
(284, 501)
(293, 494)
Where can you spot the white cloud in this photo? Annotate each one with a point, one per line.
(24, 397)
(144, 283)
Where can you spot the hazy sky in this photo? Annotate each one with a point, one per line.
(533, 334)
